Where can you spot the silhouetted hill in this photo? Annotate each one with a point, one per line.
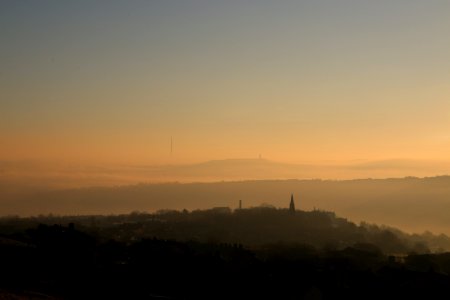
(59, 175)
(413, 204)
(235, 169)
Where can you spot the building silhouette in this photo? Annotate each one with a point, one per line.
(292, 205)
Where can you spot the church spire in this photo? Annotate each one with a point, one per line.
(292, 205)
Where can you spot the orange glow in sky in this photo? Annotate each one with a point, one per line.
(294, 81)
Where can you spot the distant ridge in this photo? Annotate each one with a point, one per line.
(57, 175)
(245, 169)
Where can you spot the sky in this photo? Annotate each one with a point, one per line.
(292, 81)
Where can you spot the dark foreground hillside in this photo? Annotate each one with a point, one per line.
(116, 257)
(251, 227)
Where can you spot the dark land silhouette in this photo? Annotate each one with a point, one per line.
(413, 204)
(219, 253)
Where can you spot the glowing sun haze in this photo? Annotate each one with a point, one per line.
(112, 81)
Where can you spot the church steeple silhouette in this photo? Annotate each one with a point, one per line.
(292, 205)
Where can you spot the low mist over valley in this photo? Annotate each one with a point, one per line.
(412, 204)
